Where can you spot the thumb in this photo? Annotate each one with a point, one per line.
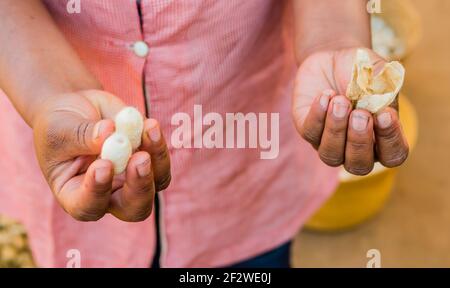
(86, 136)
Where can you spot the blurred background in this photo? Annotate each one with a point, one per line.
(412, 228)
(403, 213)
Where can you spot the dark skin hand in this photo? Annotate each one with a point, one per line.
(342, 135)
(327, 35)
(71, 116)
(69, 134)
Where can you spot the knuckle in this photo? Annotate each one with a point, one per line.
(359, 156)
(359, 147)
(331, 159)
(359, 153)
(86, 216)
(359, 169)
(397, 159)
(145, 189)
(336, 132)
(390, 132)
(139, 215)
(310, 136)
(160, 155)
(102, 191)
(164, 183)
(50, 173)
(81, 131)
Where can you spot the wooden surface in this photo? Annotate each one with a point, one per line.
(414, 228)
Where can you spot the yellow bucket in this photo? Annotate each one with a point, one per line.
(359, 198)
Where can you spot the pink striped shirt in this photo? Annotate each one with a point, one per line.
(223, 205)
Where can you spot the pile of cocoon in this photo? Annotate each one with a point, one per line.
(120, 145)
(385, 41)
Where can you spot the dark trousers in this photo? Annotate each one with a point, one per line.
(276, 258)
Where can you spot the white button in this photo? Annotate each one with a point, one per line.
(140, 48)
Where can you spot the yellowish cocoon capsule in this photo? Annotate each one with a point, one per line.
(130, 122)
(117, 149)
(374, 92)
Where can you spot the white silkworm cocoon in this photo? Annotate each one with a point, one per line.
(117, 148)
(130, 122)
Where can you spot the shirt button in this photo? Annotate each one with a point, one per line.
(141, 49)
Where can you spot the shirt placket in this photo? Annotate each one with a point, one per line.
(141, 49)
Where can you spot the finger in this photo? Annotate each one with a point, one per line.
(332, 145)
(134, 201)
(391, 144)
(107, 104)
(359, 156)
(86, 197)
(86, 161)
(154, 143)
(311, 127)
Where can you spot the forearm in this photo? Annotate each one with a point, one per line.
(330, 24)
(36, 61)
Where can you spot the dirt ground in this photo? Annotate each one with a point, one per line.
(14, 251)
(414, 228)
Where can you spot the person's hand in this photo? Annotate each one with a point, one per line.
(69, 133)
(324, 117)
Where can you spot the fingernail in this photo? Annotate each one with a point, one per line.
(359, 121)
(328, 92)
(340, 108)
(98, 129)
(154, 134)
(324, 100)
(384, 120)
(144, 168)
(102, 175)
